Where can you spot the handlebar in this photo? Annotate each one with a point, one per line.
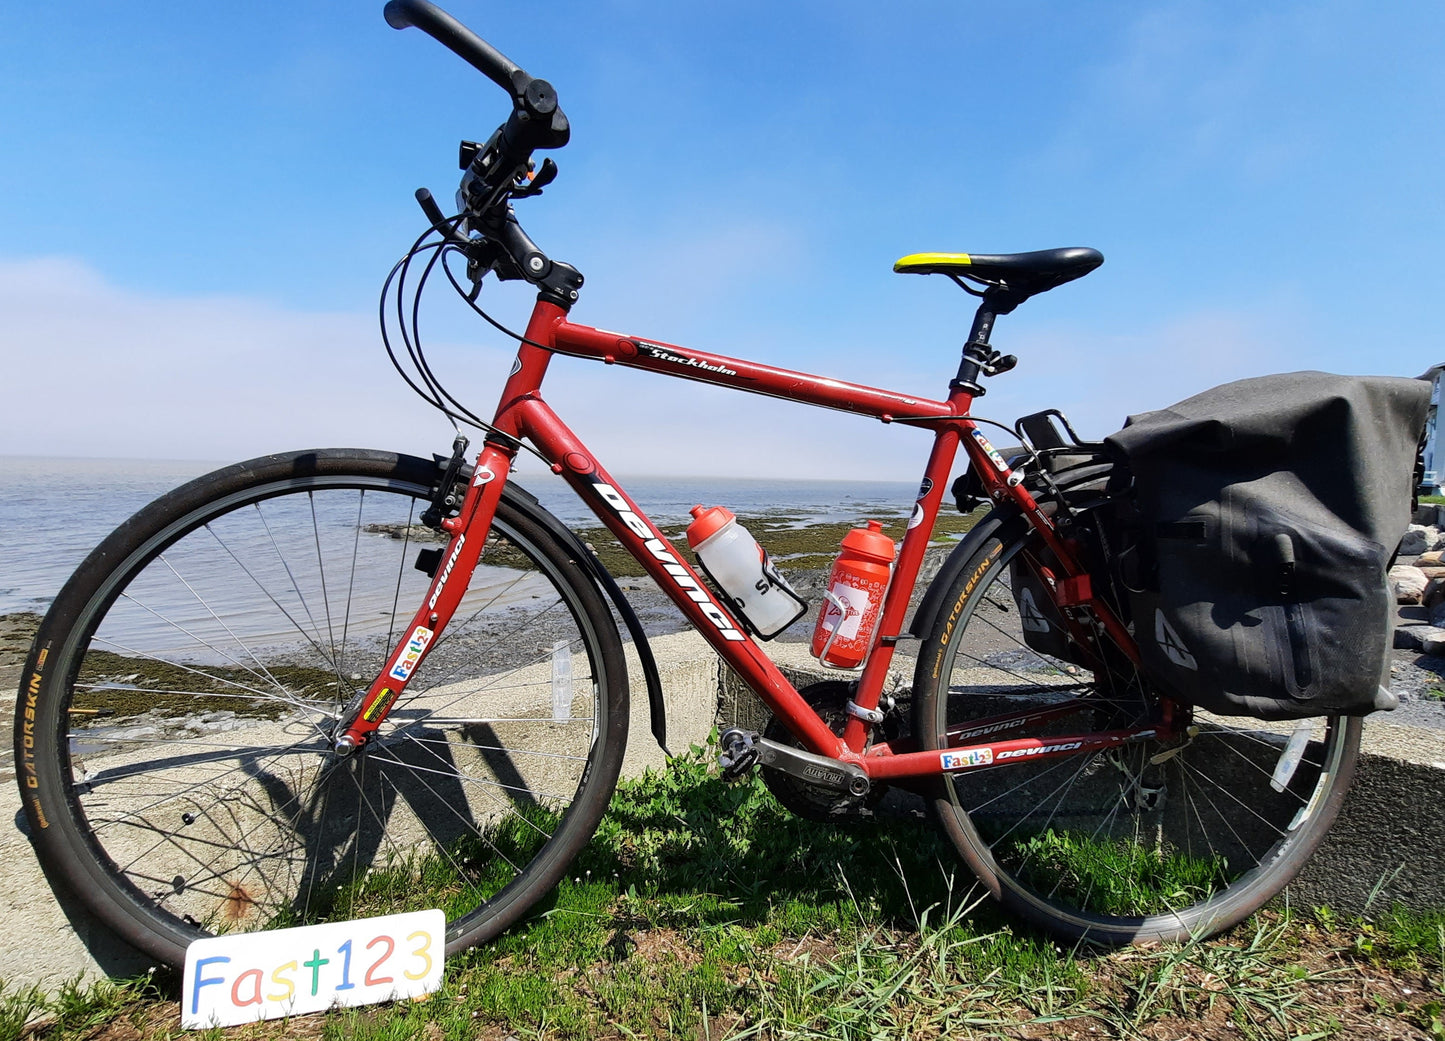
(456, 37)
(537, 120)
(499, 170)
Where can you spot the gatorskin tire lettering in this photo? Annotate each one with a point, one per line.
(32, 698)
(28, 772)
(968, 588)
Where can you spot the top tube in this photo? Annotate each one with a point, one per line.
(583, 341)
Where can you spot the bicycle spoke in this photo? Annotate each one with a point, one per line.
(221, 622)
(351, 581)
(250, 691)
(325, 596)
(296, 587)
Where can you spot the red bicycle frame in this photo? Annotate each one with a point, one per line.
(522, 413)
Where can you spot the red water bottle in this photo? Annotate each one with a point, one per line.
(854, 598)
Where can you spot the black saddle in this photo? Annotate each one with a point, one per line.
(1018, 275)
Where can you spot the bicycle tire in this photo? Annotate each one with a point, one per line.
(1111, 847)
(176, 769)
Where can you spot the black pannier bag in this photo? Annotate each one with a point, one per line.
(1268, 511)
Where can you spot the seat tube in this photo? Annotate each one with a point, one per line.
(905, 575)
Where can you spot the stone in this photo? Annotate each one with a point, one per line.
(1416, 540)
(1437, 615)
(1434, 645)
(1435, 592)
(1431, 570)
(1408, 584)
(1413, 637)
(1434, 558)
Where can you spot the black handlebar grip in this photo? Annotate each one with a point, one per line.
(452, 34)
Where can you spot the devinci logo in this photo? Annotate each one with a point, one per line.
(663, 552)
(446, 572)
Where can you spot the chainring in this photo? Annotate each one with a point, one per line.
(828, 698)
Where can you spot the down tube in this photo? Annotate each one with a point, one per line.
(673, 575)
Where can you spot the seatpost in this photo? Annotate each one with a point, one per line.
(976, 352)
(979, 359)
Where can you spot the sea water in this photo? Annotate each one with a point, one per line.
(54, 511)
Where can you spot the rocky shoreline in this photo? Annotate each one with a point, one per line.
(803, 553)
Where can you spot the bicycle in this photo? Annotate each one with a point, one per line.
(343, 682)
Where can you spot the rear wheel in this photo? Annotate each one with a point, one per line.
(178, 770)
(1148, 841)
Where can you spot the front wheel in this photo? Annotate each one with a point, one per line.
(1147, 841)
(177, 768)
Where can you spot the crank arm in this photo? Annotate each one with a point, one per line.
(815, 769)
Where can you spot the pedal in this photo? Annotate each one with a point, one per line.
(739, 753)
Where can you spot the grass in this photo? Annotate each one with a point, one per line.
(1122, 877)
(704, 910)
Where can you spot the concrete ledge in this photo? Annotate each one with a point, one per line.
(1387, 846)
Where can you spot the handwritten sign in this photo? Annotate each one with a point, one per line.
(288, 972)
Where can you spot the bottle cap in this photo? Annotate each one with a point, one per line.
(709, 520)
(870, 542)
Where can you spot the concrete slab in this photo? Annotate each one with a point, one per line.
(1388, 845)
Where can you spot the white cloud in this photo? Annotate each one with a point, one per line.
(96, 370)
(99, 371)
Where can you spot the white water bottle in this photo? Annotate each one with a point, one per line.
(740, 567)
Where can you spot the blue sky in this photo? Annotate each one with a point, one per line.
(199, 203)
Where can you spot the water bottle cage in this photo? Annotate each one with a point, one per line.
(844, 608)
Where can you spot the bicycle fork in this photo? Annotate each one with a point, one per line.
(468, 531)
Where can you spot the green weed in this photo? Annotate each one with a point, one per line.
(1117, 876)
(18, 1007)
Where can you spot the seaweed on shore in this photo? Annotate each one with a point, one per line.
(111, 685)
(807, 548)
